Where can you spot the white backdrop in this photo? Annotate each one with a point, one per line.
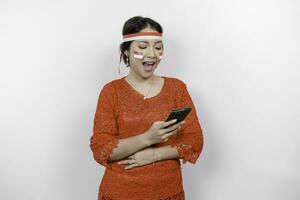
(240, 60)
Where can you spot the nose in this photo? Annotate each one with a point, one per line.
(151, 53)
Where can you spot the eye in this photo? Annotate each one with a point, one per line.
(142, 47)
(159, 47)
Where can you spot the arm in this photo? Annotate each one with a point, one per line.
(129, 146)
(165, 153)
(105, 143)
(189, 141)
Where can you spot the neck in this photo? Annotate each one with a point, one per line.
(139, 79)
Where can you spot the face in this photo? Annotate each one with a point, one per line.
(145, 55)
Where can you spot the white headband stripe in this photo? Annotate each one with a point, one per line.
(142, 37)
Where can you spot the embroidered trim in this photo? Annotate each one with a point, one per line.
(186, 152)
(177, 196)
(104, 197)
(107, 150)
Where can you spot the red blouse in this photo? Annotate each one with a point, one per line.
(123, 112)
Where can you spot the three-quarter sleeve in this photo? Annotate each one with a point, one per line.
(189, 139)
(105, 131)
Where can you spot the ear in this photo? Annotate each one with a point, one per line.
(126, 52)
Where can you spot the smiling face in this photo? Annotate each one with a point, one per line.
(145, 55)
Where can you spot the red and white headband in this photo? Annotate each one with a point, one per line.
(142, 36)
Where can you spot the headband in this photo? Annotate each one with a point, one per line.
(142, 35)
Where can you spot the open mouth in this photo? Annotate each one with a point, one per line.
(148, 65)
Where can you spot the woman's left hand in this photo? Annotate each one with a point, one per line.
(140, 158)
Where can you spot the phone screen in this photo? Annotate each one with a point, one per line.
(179, 114)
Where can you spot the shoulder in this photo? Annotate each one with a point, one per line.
(109, 88)
(176, 82)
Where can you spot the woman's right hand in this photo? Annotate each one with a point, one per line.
(160, 132)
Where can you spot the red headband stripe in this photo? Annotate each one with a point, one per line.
(142, 34)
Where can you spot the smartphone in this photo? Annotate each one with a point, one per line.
(179, 114)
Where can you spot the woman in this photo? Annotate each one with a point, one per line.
(130, 137)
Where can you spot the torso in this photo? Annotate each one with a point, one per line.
(134, 116)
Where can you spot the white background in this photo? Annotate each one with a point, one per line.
(240, 60)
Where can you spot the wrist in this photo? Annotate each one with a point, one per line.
(155, 155)
(146, 140)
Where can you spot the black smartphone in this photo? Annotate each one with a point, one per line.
(179, 114)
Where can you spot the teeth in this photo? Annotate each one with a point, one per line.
(149, 63)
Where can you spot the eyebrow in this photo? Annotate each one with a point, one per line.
(148, 42)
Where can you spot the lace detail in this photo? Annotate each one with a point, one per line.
(186, 152)
(107, 149)
(105, 131)
(178, 196)
(104, 197)
(189, 140)
(121, 114)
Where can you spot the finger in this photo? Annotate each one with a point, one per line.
(167, 123)
(131, 166)
(124, 162)
(174, 126)
(166, 136)
(170, 129)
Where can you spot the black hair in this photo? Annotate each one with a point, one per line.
(135, 25)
